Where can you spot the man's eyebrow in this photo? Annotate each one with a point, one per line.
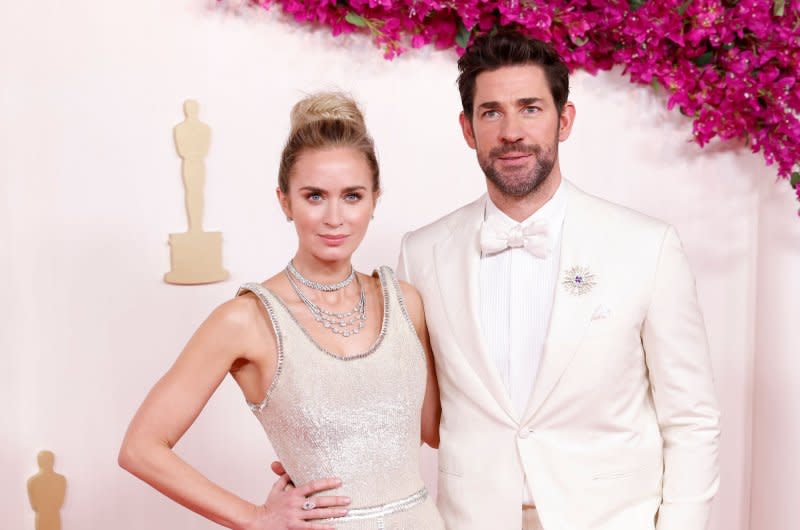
(524, 102)
(489, 105)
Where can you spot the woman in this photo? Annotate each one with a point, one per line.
(334, 363)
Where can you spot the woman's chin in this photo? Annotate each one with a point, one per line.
(333, 253)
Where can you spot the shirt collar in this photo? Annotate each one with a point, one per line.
(552, 211)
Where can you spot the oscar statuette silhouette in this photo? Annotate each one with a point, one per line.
(196, 256)
(46, 492)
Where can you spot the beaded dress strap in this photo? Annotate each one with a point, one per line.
(399, 299)
(270, 302)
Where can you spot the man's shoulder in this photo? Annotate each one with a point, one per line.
(614, 218)
(445, 225)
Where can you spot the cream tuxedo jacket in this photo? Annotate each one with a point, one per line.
(622, 429)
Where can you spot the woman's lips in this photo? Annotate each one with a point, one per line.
(333, 240)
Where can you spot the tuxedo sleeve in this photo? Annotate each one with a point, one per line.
(676, 349)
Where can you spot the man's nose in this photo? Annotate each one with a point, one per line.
(511, 130)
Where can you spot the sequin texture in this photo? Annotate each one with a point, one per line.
(355, 417)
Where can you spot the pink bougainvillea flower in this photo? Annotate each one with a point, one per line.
(731, 66)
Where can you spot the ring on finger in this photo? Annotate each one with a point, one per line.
(309, 505)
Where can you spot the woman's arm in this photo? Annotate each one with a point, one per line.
(172, 406)
(176, 400)
(431, 407)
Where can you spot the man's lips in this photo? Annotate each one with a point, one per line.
(511, 157)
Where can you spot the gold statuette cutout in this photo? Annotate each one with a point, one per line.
(196, 256)
(46, 492)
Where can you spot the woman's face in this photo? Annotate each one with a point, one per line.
(331, 200)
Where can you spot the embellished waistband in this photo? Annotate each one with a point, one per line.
(382, 510)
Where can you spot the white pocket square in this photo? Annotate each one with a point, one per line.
(601, 311)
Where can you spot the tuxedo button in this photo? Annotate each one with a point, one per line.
(524, 433)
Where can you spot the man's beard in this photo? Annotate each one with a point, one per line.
(523, 185)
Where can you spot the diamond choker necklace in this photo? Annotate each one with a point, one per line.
(347, 323)
(327, 287)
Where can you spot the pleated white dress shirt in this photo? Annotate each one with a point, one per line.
(516, 298)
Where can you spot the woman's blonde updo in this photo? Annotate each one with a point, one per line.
(322, 121)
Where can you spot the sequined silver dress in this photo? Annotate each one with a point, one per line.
(355, 417)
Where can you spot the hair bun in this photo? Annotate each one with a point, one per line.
(327, 120)
(336, 106)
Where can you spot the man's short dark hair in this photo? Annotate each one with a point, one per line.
(510, 48)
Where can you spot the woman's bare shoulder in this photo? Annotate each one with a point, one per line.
(243, 315)
(413, 303)
(411, 296)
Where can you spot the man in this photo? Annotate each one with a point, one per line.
(571, 353)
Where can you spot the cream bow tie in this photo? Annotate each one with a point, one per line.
(535, 238)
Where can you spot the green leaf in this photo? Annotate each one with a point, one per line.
(682, 8)
(580, 41)
(656, 85)
(462, 37)
(636, 4)
(795, 180)
(356, 20)
(778, 7)
(704, 59)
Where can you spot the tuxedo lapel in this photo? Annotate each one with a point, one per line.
(572, 312)
(457, 269)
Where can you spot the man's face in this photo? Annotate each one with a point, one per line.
(515, 128)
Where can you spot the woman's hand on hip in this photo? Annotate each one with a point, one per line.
(289, 508)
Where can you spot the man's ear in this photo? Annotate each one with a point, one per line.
(565, 121)
(466, 129)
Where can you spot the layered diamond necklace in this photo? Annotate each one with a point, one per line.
(347, 323)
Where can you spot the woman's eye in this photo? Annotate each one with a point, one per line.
(314, 197)
(352, 197)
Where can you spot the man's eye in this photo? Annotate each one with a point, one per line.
(491, 114)
(531, 110)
